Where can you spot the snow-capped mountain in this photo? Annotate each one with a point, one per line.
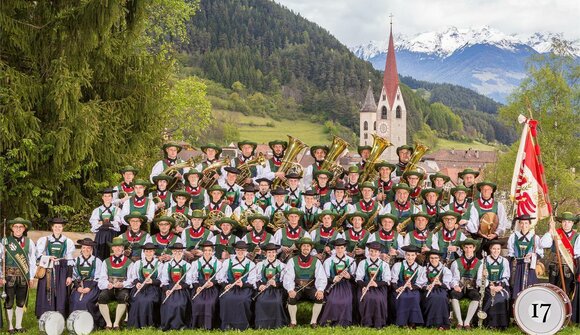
(482, 58)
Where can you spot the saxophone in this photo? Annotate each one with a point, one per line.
(379, 146)
(207, 180)
(245, 168)
(295, 146)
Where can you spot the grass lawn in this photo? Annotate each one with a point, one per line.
(31, 324)
(448, 144)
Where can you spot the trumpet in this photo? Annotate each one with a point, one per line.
(245, 171)
(208, 180)
(295, 146)
(379, 146)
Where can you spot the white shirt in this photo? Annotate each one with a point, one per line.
(420, 280)
(133, 273)
(42, 243)
(222, 276)
(104, 276)
(116, 220)
(362, 268)
(98, 267)
(127, 210)
(320, 278)
(505, 276)
(473, 223)
(445, 277)
(330, 261)
(164, 271)
(193, 273)
(539, 245)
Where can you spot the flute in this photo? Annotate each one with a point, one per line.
(407, 282)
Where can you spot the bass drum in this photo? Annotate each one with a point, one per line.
(542, 309)
(51, 323)
(80, 323)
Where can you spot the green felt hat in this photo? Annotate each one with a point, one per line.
(368, 184)
(212, 146)
(429, 190)
(192, 172)
(388, 216)
(460, 187)
(412, 173)
(360, 148)
(304, 240)
(180, 193)
(128, 168)
(468, 171)
(353, 169)
(316, 147)
(166, 219)
(135, 215)
(325, 172)
(402, 186)
(325, 213)
(197, 214)
(172, 144)
(486, 183)
(439, 175)
(420, 214)
(456, 215)
(19, 220)
(162, 176)
(567, 216)
(469, 241)
(293, 210)
(117, 242)
(406, 146)
(382, 164)
(254, 145)
(359, 214)
(229, 221)
(141, 182)
(258, 216)
(284, 144)
(216, 187)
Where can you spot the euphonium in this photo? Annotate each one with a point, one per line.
(244, 168)
(172, 170)
(418, 152)
(379, 146)
(330, 163)
(295, 146)
(207, 180)
(278, 222)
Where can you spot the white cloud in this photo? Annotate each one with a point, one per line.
(358, 21)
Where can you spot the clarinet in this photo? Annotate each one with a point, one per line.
(480, 313)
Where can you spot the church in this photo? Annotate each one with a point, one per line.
(388, 117)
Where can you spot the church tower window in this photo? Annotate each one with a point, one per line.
(375, 126)
(384, 112)
(398, 112)
(366, 126)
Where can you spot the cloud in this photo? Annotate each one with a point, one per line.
(358, 21)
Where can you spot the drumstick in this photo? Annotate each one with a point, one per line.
(242, 277)
(144, 282)
(83, 287)
(368, 285)
(407, 282)
(173, 288)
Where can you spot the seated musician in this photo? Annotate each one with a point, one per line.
(463, 284)
(145, 295)
(414, 179)
(401, 207)
(225, 239)
(487, 204)
(310, 209)
(289, 236)
(139, 202)
(114, 284)
(199, 197)
(384, 183)
(195, 235)
(390, 240)
(279, 204)
(447, 239)
(217, 201)
(497, 296)
(305, 279)
(86, 272)
(135, 237)
(263, 196)
(174, 290)
(233, 191)
(257, 236)
(125, 189)
(367, 204)
(431, 205)
(435, 294)
(352, 184)
(170, 151)
(105, 221)
(321, 186)
(407, 278)
(205, 289)
(270, 301)
(404, 153)
(294, 197)
(165, 238)
(324, 234)
(356, 236)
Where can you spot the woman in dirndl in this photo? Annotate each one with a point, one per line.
(372, 277)
(237, 280)
(205, 289)
(408, 278)
(105, 221)
(52, 289)
(175, 292)
(270, 302)
(85, 292)
(145, 295)
(438, 278)
(340, 270)
(497, 295)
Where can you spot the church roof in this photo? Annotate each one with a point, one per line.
(369, 105)
(391, 76)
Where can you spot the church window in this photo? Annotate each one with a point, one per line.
(398, 97)
(398, 112)
(384, 97)
(384, 112)
(366, 136)
(366, 126)
(375, 126)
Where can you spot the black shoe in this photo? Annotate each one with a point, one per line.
(21, 330)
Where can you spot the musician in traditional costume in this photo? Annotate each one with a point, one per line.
(497, 297)
(125, 189)
(407, 279)
(20, 268)
(289, 236)
(322, 186)
(294, 197)
(170, 151)
(199, 197)
(257, 236)
(487, 204)
(248, 206)
(309, 209)
(139, 202)
(225, 239)
(384, 183)
(390, 240)
(401, 207)
(367, 204)
(135, 236)
(273, 164)
(570, 241)
(237, 281)
(248, 150)
(263, 196)
(435, 300)
(420, 235)
(174, 291)
(270, 301)
(438, 181)
(460, 204)
(339, 203)
(195, 235)
(373, 277)
(324, 234)
(233, 191)
(468, 177)
(145, 296)
(279, 204)
(205, 289)
(414, 179)
(305, 279)
(85, 289)
(212, 155)
(340, 270)
(463, 284)
(356, 236)
(114, 283)
(404, 153)
(52, 290)
(217, 201)
(431, 205)
(105, 221)
(318, 152)
(364, 151)
(162, 196)
(525, 249)
(353, 191)
(180, 205)
(165, 238)
(448, 238)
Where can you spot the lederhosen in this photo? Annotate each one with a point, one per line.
(17, 272)
(197, 197)
(304, 273)
(135, 243)
(468, 274)
(117, 268)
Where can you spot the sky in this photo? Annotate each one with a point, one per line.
(359, 21)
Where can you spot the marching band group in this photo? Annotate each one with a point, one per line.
(239, 244)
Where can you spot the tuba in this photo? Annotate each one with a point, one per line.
(245, 168)
(330, 163)
(295, 146)
(379, 146)
(173, 170)
(207, 180)
(418, 152)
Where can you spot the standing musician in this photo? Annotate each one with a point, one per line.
(180, 205)
(232, 190)
(305, 279)
(438, 181)
(384, 183)
(339, 203)
(114, 283)
(390, 240)
(460, 205)
(318, 152)
(205, 288)
(212, 155)
(414, 179)
(367, 204)
(570, 241)
(237, 278)
(401, 207)
(468, 177)
(125, 189)
(294, 197)
(135, 237)
(289, 236)
(419, 236)
(217, 201)
(431, 205)
(448, 238)
(273, 164)
(174, 291)
(497, 296)
(357, 236)
(322, 187)
(364, 152)
(257, 236)
(524, 249)
(373, 276)
(161, 197)
(263, 196)
(199, 197)
(279, 204)
(340, 270)
(484, 204)
(52, 291)
(86, 271)
(270, 303)
(165, 238)
(225, 239)
(20, 269)
(105, 221)
(139, 202)
(196, 235)
(248, 205)
(310, 210)
(407, 278)
(324, 234)
(145, 295)
(248, 150)
(170, 151)
(352, 184)
(436, 304)
(404, 153)
(464, 271)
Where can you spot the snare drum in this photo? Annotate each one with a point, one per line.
(51, 323)
(80, 323)
(542, 309)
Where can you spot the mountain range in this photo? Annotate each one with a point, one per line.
(482, 58)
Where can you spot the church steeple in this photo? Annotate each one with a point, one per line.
(391, 76)
(369, 104)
